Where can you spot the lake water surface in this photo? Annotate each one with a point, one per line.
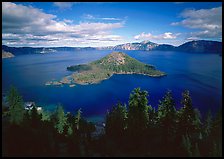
(199, 73)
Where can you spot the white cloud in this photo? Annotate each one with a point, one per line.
(68, 21)
(207, 21)
(143, 36)
(91, 17)
(149, 36)
(64, 5)
(110, 18)
(19, 18)
(168, 36)
(88, 16)
(38, 28)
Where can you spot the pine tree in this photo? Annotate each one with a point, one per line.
(86, 128)
(217, 125)
(167, 105)
(187, 115)
(16, 106)
(138, 116)
(70, 123)
(35, 117)
(216, 134)
(78, 118)
(197, 124)
(208, 124)
(186, 143)
(167, 115)
(216, 149)
(152, 116)
(61, 120)
(196, 151)
(116, 120)
(70, 131)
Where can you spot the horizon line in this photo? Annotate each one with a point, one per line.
(105, 46)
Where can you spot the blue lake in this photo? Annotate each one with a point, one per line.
(199, 73)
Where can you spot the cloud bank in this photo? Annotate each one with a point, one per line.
(91, 17)
(208, 22)
(28, 26)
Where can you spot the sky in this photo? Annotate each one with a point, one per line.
(97, 24)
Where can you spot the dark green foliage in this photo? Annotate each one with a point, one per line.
(138, 116)
(130, 65)
(196, 151)
(216, 149)
(61, 120)
(116, 121)
(217, 124)
(197, 124)
(189, 119)
(190, 150)
(86, 128)
(79, 68)
(114, 63)
(78, 119)
(216, 135)
(45, 115)
(167, 115)
(187, 145)
(139, 131)
(166, 106)
(152, 116)
(70, 124)
(208, 124)
(35, 117)
(16, 108)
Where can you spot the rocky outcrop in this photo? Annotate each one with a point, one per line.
(7, 54)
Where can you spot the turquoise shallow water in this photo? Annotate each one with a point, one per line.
(200, 73)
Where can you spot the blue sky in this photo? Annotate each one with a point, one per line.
(109, 23)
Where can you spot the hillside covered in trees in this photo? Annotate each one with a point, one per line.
(114, 63)
(104, 68)
(135, 129)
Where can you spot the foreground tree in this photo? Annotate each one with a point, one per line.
(61, 120)
(35, 117)
(138, 116)
(216, 135)
(116, 121)
(142, 131)
(137, 122)
(187, 145)
(189, 118)
(207, 124)
(78, 118)
(16, 108)
(153, 120)
(167, 115)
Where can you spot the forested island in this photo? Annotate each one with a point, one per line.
(114, 63)
(135, 129)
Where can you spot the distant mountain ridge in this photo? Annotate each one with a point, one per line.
(199, 46)
(148, 46)
(41, 50)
